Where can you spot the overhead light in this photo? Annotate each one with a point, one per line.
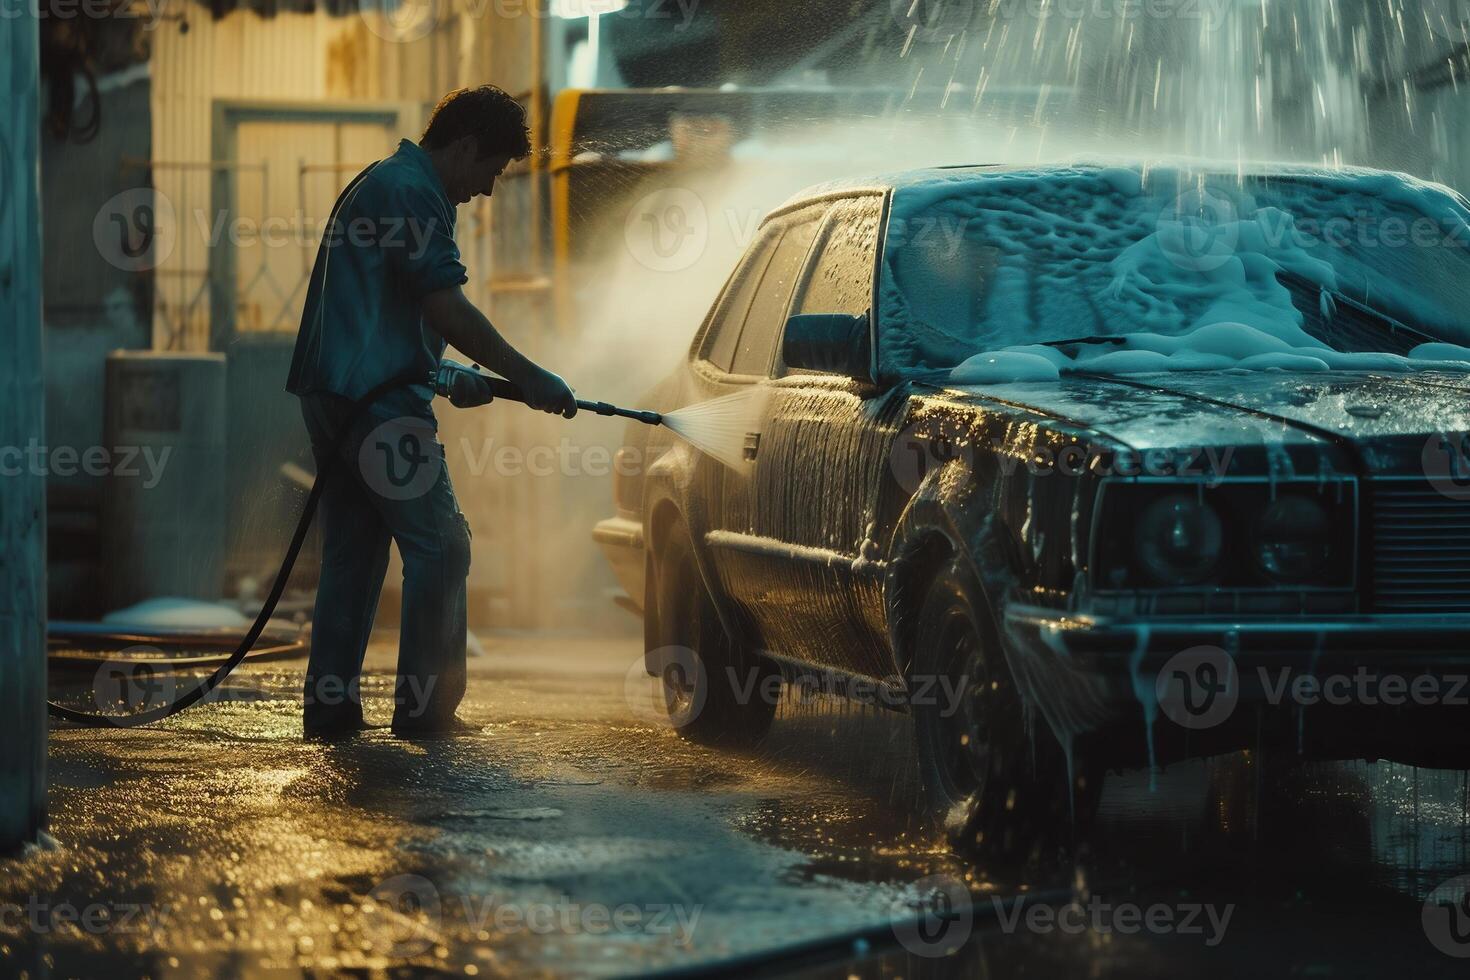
(573, 9)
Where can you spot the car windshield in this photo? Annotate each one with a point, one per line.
(1023, 275)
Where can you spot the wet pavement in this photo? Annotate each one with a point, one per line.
(576, 836)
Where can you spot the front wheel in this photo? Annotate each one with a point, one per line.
(713, 691)
(990, 784)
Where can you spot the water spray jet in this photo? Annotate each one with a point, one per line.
(716, 428)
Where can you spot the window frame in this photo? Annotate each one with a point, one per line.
(774, 227)
(780, 218)
(814, 255)
(760, 253)
(797, 220)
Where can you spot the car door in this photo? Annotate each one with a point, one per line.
(737, 352)
(808, 550)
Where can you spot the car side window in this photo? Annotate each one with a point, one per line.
(767, 316)
(840, 276)
(729, 316)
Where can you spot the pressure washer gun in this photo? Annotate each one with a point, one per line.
(468, 386)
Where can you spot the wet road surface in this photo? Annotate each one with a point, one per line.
(576, 836)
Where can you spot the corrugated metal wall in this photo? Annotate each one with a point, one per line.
(291, 58)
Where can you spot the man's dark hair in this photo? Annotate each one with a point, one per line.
(487, 113)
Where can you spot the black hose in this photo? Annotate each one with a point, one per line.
(78, 645)
(298, 538)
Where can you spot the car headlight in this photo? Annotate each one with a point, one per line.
(1294, 539)
(1179, 540)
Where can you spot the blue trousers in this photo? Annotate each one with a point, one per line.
(389, 483)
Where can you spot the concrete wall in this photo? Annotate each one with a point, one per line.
(22, 499)
(96, 301)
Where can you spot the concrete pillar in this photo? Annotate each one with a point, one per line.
(22, 486)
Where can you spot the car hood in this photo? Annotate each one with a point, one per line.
(1378, 422)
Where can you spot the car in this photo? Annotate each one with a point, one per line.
(1085, 467)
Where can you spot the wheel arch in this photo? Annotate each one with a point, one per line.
(933, 531)
(922, 546)
(663, 514)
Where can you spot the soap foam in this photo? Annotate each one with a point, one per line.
(1181, 264)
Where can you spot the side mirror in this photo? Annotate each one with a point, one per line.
(835, 343)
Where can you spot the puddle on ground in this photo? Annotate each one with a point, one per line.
(530, 813)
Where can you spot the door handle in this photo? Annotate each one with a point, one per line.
(752, 445)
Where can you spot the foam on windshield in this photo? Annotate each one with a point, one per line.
(982, 268)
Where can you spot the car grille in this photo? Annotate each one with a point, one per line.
(1421, 548)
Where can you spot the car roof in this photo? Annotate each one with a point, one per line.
(927, 178)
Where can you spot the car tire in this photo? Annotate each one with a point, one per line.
(713, 691)
(991, 786)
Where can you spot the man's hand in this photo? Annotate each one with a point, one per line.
(468, 389)
(549, 393)
(455, 318)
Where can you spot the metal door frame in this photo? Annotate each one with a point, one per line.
(227, 115)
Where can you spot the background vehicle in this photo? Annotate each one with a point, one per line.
(1100, 475)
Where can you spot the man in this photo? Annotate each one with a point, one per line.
(385, 296)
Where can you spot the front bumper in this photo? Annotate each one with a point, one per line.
(1109, 645)
(1390, 686)
(621, 541)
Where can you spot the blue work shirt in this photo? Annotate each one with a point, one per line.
(390, 243)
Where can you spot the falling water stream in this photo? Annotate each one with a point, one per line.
(1372, 82)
